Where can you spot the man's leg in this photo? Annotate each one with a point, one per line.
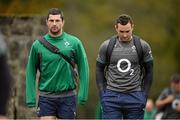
(66, 107)
(110, 105)
(136, 113)
(46, 108)
(134, 105)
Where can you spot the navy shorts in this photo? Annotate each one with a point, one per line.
(117, 105)
(61, 107)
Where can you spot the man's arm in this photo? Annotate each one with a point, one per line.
(101, 66)
(100, 77)
(160, 103)
(148, 78)
(31, 71)
(83, 70)
(103, 61)
(148, 67)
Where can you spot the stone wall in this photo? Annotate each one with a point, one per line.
(19, 33)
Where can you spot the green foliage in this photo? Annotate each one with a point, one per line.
(92, 21)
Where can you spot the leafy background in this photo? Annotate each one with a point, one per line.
(92, 21)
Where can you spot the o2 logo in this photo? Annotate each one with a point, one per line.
(128, 66)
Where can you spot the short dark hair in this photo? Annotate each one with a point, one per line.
(55, 11)
(124, 19)
(175, 78)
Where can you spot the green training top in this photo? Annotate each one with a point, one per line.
(55, 72)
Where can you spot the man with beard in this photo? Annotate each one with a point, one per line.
(123, 90)
(57, 88)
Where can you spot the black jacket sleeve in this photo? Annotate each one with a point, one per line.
(148, 78)
(5, 80)
(100, 77)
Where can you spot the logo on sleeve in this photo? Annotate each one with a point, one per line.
(150, 53)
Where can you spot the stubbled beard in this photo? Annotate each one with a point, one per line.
(55, 33)
(126, 39)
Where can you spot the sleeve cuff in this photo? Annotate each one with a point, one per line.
(31, 105)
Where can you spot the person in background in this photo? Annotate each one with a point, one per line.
(5, 79)
(169, 99)
(57, 86)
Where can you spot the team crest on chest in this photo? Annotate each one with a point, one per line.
(66, 43)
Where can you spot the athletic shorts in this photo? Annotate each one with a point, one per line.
(61, 107)
(117, 105)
